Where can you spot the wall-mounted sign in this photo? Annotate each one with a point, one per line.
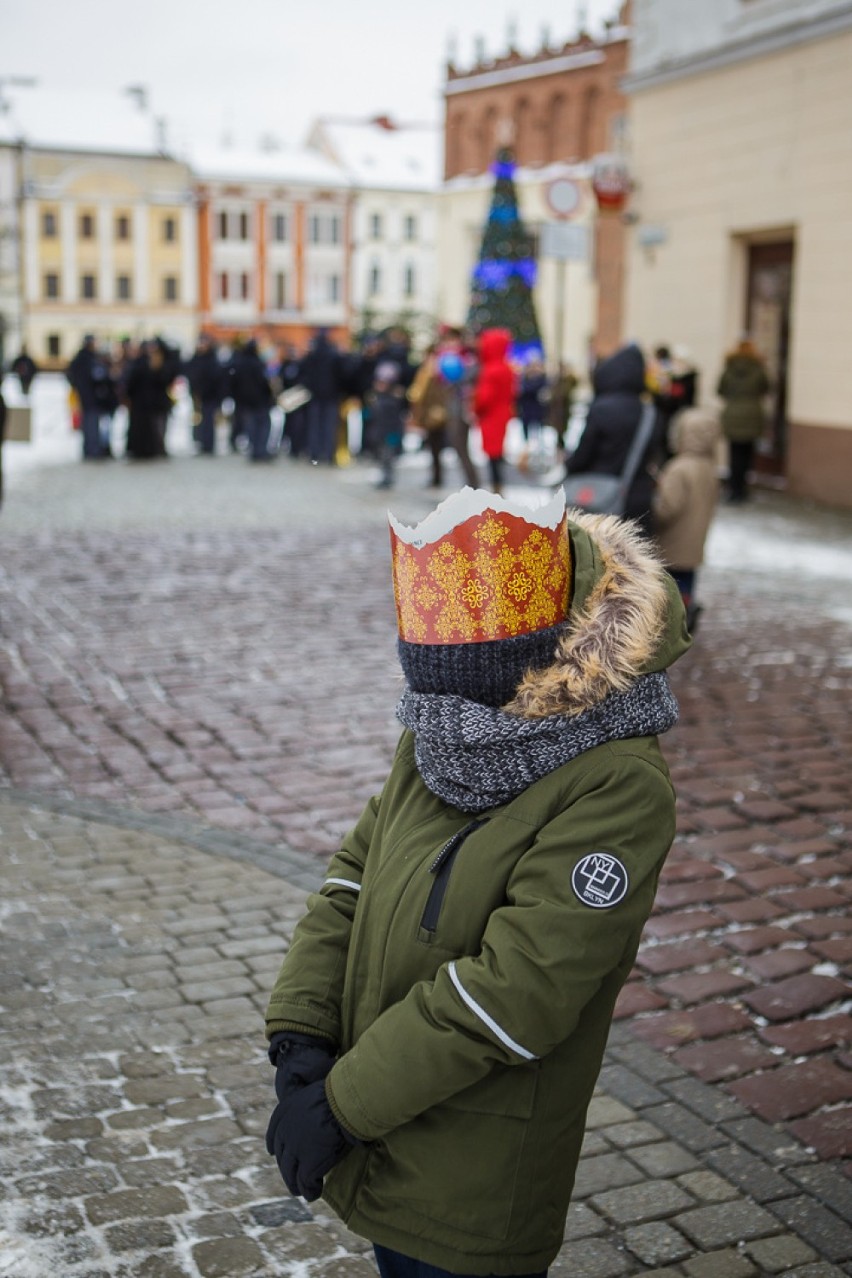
(610, 182)
(563, 196)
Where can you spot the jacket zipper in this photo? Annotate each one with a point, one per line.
(441, 868)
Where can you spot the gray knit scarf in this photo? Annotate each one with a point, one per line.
(476, 757)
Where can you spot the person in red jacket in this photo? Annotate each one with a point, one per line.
(494, 398)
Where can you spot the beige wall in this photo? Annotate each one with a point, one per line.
(748, 152)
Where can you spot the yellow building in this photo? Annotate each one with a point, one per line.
(741, 126)
(105, 225)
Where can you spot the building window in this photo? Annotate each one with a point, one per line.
(409, 228)
(409, 279)
(223, 224)
(88, 287)
(51, 285)
(170, 288)
(334, 228)
(244, 286)
(279, 228)
(122, 227)
(123, 288)
(48, 224)
(169, 230)
(375, 226)
(280, 291)
(244, 226)
(54, 345)
(87, 226)
(334, 290)
(223, 286)
(374, 285)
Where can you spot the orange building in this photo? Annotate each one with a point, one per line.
(274, 245)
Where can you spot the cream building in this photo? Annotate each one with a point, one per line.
(741, 126)
(394, 171)
(105, 224)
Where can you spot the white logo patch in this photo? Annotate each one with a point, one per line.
(600, 880)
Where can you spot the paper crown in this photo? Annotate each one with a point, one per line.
(480, 568)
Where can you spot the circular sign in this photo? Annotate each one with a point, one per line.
(563, 196)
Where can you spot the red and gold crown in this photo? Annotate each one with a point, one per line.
(481, 568)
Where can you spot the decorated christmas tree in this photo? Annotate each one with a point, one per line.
(503, 278)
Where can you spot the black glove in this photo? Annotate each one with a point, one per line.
(306, 1140)
(299, 1059)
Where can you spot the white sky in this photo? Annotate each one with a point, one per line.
(253, 67)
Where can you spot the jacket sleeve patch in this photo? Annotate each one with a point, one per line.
(600, 880)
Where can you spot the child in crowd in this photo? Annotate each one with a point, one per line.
(388, 410)
(685, 499)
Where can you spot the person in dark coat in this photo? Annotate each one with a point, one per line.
(295, 419)
(24, 367)
(206, 378)
(742, 386)
(389, 411)
(673, 384)
(613, 418)
(149, 402)
(89, 374)
(252, 396)
(532, 398)
(320, 374)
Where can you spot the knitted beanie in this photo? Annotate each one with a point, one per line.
(486, 672)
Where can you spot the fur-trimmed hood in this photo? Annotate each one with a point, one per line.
(626, 619)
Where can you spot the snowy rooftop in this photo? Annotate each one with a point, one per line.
(400, 158)
(282, 164)
(78, 120)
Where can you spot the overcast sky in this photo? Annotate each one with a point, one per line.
(253, 67)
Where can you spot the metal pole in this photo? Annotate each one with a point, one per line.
(560, 308)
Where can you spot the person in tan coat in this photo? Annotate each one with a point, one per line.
(685, 500)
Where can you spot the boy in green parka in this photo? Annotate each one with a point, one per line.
(439, 1022)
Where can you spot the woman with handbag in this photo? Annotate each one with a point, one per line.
(614, 418)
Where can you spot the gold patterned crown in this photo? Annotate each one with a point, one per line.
(481, 568)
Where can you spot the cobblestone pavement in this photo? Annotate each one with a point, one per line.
(134, 1092)
(202, 652)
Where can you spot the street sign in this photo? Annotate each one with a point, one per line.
(565, 241)
(563, 196)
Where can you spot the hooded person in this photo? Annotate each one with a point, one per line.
(494, 398)
(685, 500)
(439, 1022)
(612, 420)
(742, 387)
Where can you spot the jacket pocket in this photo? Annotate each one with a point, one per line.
(456, 1167)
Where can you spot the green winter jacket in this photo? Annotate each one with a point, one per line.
(742, 386)
(467, 968)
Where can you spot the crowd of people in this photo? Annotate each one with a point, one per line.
(458, 383)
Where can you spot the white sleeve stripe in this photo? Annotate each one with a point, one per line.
(356, 887)
(488, 1020)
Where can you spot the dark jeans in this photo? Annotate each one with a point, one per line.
(685, 581)
(740, 454)
(393, 1265)
(436, 441)
(91, 430)
(258, 426)
(322, 429)
(207, 426)
(495, 471)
